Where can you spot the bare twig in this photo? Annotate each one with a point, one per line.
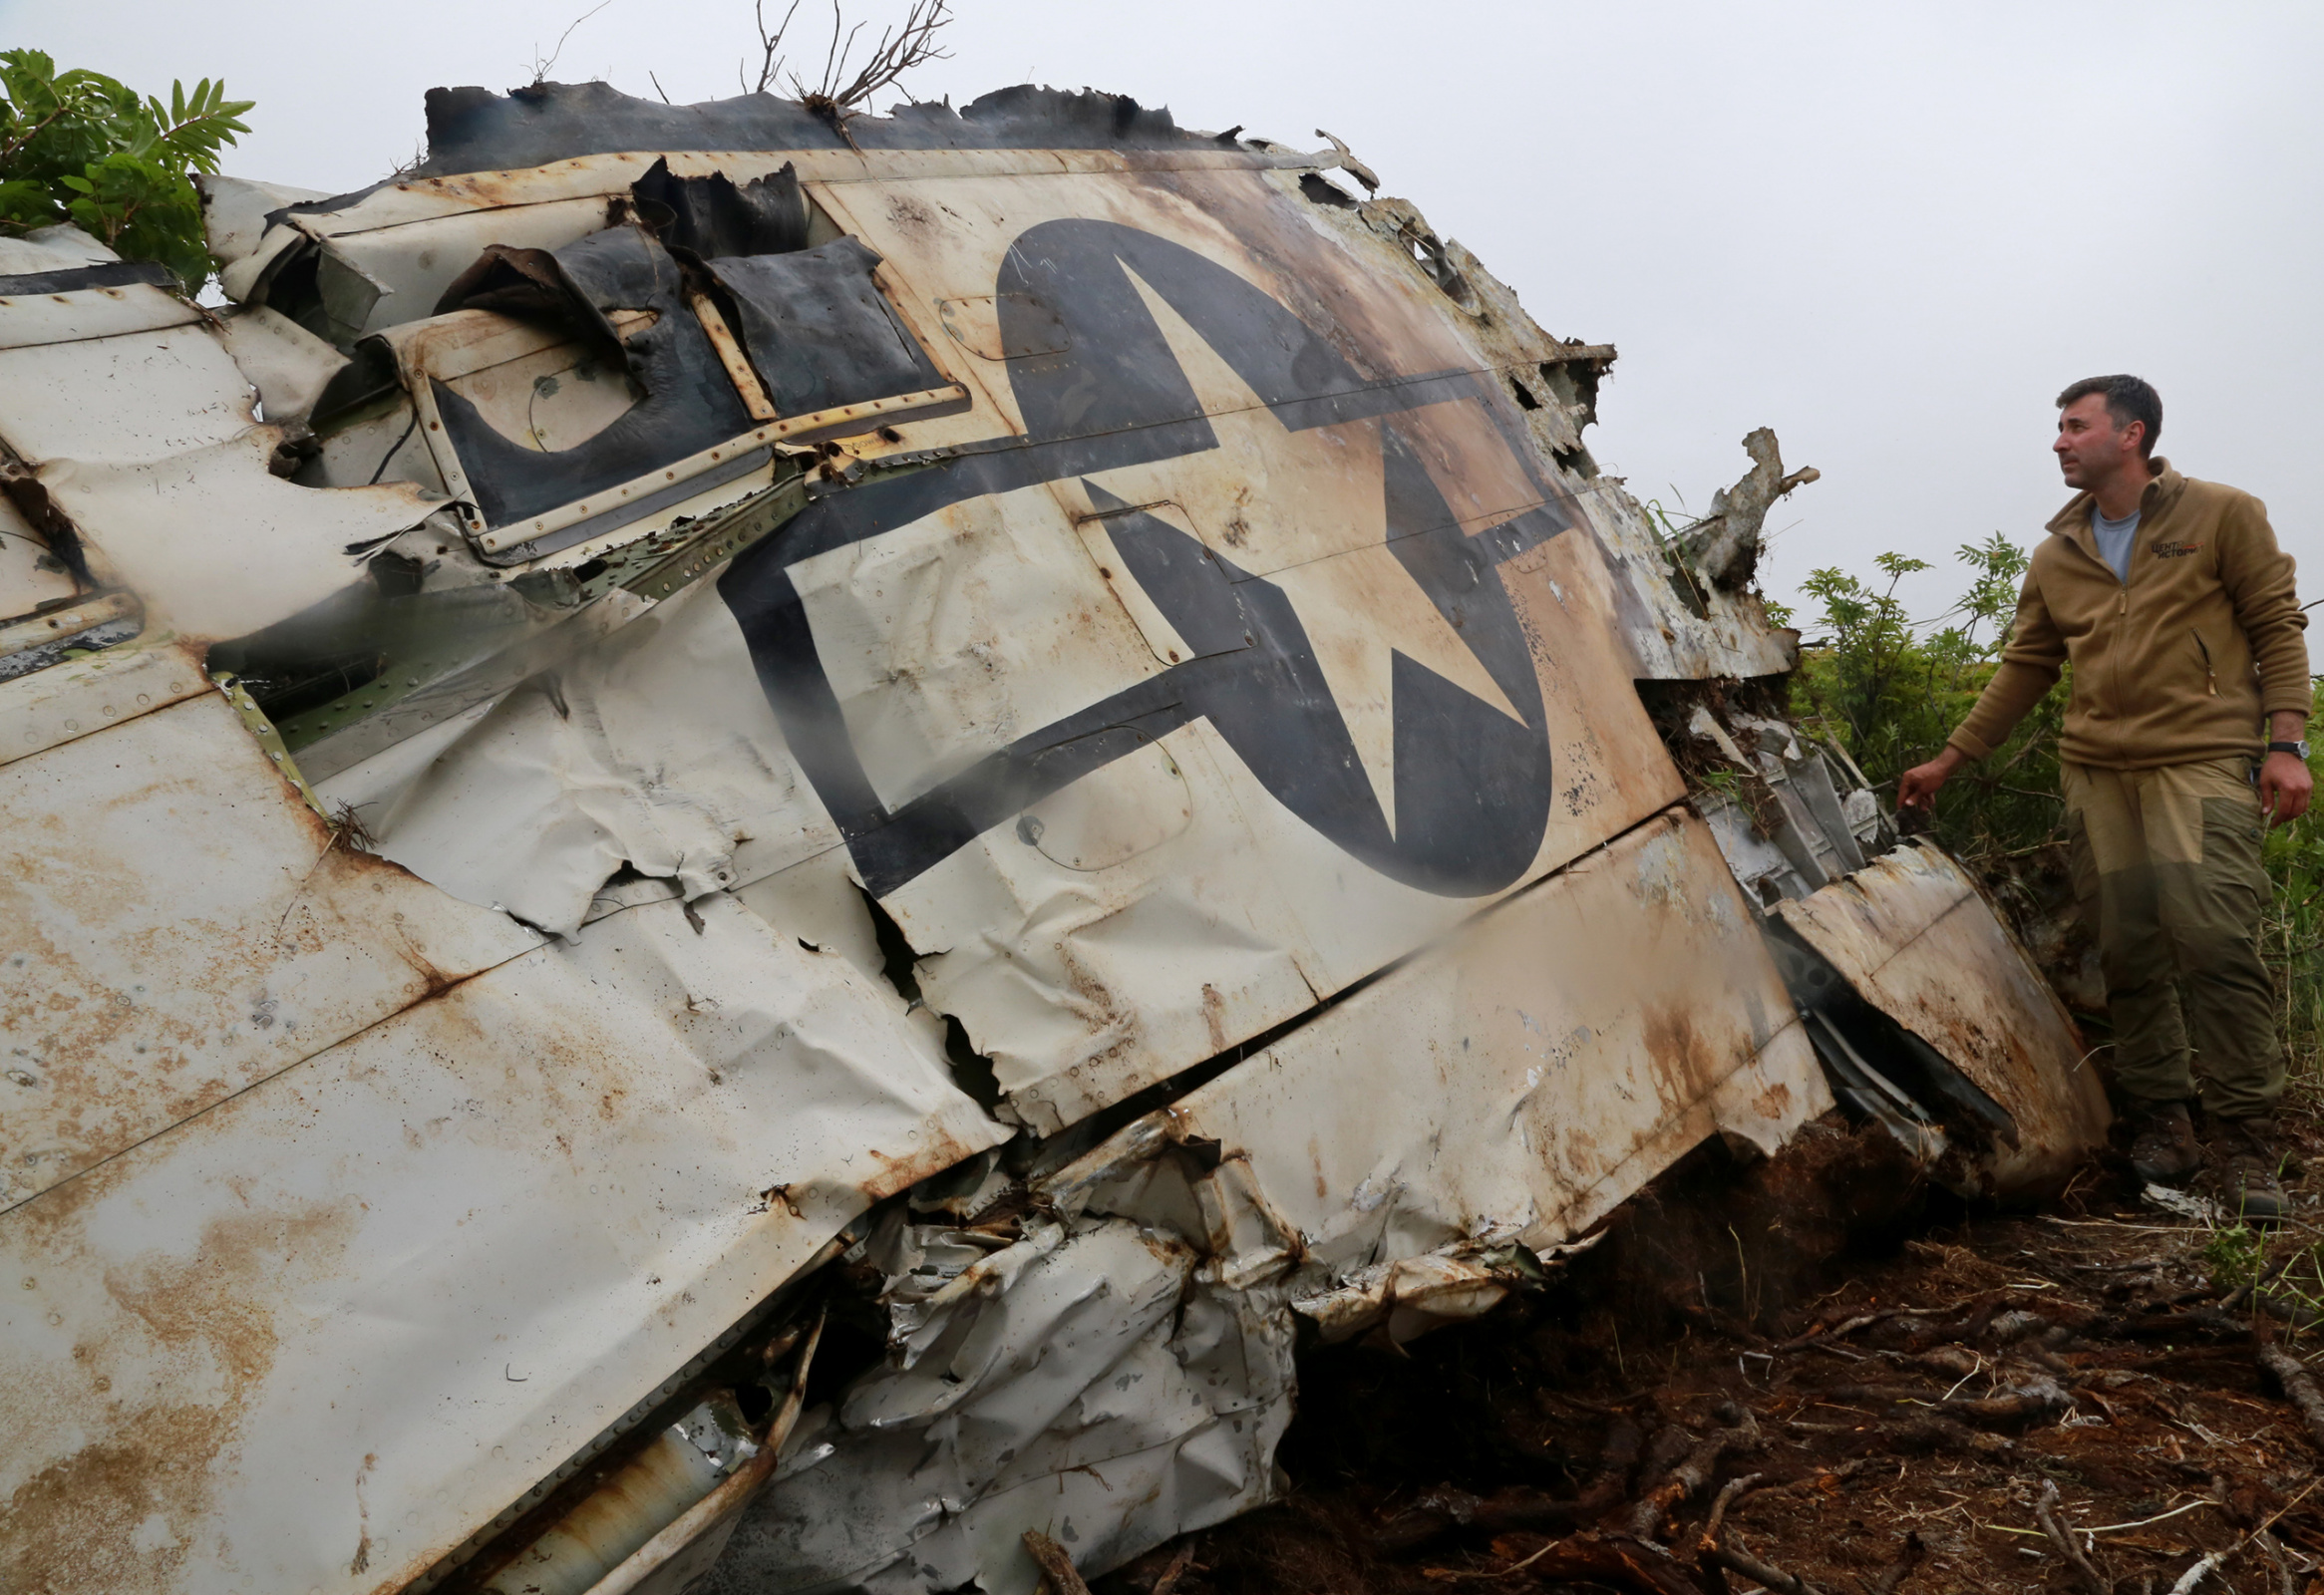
(771, 48)
(541, 69)
(1447, 1575)
(2213, 1561)
(2236, 1298)
(1718, 1518)
(839, 93)
(1866, 1320)
(1817, 1479)
(1691, 1476)
(347, 829)
(2046, 1514)
(2286, 1582)
(1750, 1566)
(1176, 1571)
(1062, 1577)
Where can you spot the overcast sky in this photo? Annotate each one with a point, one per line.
(1893, 232)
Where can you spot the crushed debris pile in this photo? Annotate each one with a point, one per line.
(1859, 1387)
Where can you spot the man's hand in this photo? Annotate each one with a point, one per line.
(1917, 787)
(2285, 789)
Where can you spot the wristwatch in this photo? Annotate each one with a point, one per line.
(2298, 750)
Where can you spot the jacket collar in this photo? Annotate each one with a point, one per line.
(2073, 522)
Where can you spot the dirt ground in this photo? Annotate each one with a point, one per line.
(1870, 1387)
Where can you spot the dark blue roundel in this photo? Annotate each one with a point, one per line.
(1471, 786)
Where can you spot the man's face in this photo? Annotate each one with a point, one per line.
(2091, 448)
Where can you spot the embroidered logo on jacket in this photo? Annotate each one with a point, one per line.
(2175, 550)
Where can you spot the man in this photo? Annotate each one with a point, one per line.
(2176, 608)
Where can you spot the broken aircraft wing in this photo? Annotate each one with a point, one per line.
(741, 856)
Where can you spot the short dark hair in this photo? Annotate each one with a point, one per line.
(2128, 398)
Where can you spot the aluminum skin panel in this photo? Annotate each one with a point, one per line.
(313, 1338)
(1916, 938)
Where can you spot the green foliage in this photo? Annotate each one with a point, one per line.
(2235, 1254)
(1890, 690)
(80, 146)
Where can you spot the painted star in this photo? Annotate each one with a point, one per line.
(1306, 511)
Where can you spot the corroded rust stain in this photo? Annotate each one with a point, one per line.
(138, 989)
(904, 1171)
(126, 1510)
(1684, 1062)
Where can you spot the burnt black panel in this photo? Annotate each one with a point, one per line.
(710, 217)
(690, 404)
(474, 129)
(818, 330)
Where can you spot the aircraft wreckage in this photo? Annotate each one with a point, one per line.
(743, 855)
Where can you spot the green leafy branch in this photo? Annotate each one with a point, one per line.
(78, 147)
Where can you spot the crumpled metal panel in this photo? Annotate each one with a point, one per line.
(142, 433)
(1463, 1099)
(31, 576)
(434, 1261)
(1168, 903)
(1108, 979)
(1677, 626)
(81, 696)
(28, 321)
(1093, 1387)
(1914, 937)
(653, 749)
(239, 938)
(1459, 1108)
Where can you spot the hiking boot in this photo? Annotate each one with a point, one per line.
(2164, 1150)
(2246, 1172)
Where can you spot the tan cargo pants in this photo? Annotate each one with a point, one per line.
(2166, 867)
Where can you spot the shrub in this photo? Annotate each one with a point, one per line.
(78, 147)
(1890, 691)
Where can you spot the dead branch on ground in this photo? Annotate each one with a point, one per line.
(2046, 1514)
(1691, 1476)
(2299, 1387)
(1750, 1566)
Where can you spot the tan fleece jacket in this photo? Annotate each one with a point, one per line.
(2179, 663)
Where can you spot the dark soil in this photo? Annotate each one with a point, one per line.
(1901, 1377)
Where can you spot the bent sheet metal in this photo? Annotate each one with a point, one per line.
(737, 857)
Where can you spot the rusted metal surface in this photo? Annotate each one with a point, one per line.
(1574, 1091)
(1193, 684)
(143, 988)
(437, 1259)
(1911, 933)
